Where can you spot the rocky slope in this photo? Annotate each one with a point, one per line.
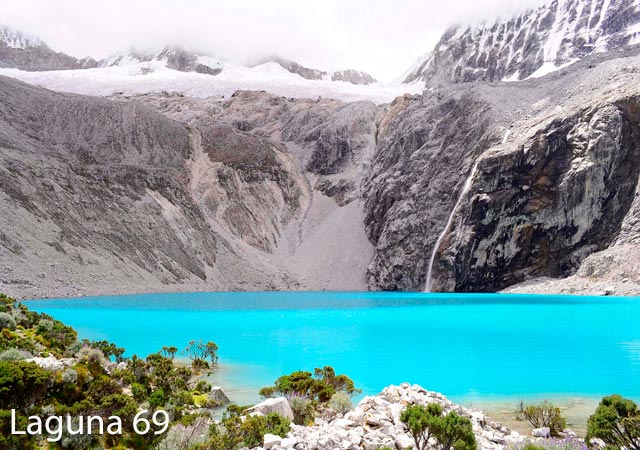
(20, 51)
(532, 44)
(102, 196)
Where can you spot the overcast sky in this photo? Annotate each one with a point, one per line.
(383, 38)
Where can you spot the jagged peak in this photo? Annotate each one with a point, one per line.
(530, 43)
(15, 39)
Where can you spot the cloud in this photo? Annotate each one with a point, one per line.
(381, 37)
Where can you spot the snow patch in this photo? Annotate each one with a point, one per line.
(550, 67)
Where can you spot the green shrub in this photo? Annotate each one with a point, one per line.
(21, 384)
(617, 422)
(303, 410)
(13, 354)
(545, 414)
(450, 431)
(319, 386)
(254, 428)
(7, 321)
(340, 403)
(203, 386)
(234, 432)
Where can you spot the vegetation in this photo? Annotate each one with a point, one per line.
(449, 431)
(340, 403)
(545, 414)
(235, 432)
(97, 380)
(309, 393)
(318, 387)
(198, 352)
(549, 444)
(616, 422)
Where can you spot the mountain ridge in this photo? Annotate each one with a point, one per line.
(532, 43)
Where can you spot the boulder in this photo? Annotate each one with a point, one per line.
(278, 405)
(543, 432)
(218, 396)
(270, 441)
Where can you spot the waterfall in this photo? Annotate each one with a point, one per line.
(465, 189)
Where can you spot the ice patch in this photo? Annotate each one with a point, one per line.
(153, 77)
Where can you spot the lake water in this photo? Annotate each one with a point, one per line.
(469, 347)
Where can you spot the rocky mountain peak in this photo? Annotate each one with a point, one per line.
(15, 39)
(172, 56)
(531, 44)
(22, 51)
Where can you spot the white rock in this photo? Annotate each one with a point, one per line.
(543, 432)
(278, 405)
(50, 363)
(271, 440)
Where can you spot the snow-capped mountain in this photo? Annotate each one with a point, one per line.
(22, 51)
(16, 40)
(172, 57)
(348, 75)
(180, 70)
(531, 44)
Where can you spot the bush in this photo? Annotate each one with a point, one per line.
(21, 384)
(450, 431)
(7, 321)
(254, 428)
(617, 422)
(93, 358)
(303, 411)
(235, 432)
(13, 354)
(544, 414)
(319, 386)
(340, 403)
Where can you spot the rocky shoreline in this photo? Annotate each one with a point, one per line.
(375, 423)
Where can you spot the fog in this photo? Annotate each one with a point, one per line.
(383, 38)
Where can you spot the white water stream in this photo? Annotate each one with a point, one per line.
(465, 189)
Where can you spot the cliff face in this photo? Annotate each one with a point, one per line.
(556, 178)
(540, 208)
(532, 43)
(425, 149)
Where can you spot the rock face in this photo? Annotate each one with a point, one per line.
(20, 51)
(375, 423)
(540, 208)
(353, 77)
(349, 75)
(532, 43)
(173, 57)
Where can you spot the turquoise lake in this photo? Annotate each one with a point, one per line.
(465, 346)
